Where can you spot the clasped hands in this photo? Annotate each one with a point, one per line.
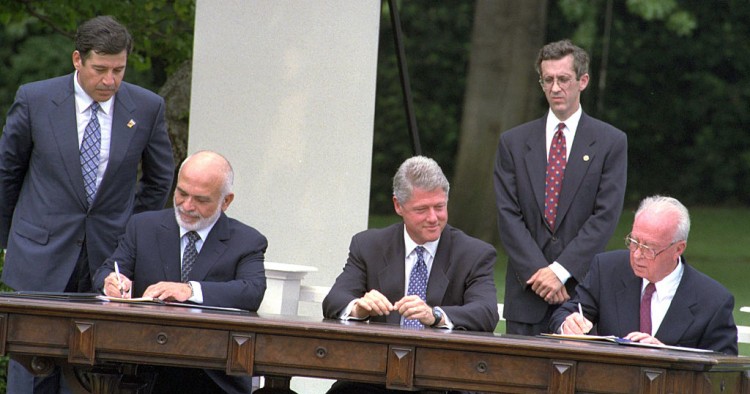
(165, 291)
(577, 324)
(374, 303)
(547, 285)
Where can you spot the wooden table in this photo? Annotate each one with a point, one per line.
(44, 333)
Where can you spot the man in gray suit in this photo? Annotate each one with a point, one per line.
(559, 187)
(69, 157)
(380, 273)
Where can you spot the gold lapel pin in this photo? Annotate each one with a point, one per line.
(586, 157)
(131, 123)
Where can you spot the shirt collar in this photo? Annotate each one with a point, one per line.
(202, 232)
(410, 245)
(668, 285)
(84, 101)
(571, 123)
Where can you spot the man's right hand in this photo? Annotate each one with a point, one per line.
(117, 288)
(576, 324)
(373, 303)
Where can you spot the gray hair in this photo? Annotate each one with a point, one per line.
(560, 49)
(421, 172)
(225, 168)
(662, 204)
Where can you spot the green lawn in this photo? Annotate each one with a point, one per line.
(719, 246)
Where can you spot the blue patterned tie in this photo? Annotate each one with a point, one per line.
(417, 284)
(90, 147)
(189, 255)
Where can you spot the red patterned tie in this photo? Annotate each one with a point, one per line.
(646, 308)
(555, 173)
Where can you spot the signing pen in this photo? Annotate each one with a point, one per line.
(122, 288)
(580, 310)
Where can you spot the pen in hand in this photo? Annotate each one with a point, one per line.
(122, 288)
(580, 311)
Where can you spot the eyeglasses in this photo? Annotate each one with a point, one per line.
(562, 81)
(646, 251)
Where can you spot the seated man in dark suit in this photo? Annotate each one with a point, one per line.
(193, 253)
(419, 273)
(649, 294)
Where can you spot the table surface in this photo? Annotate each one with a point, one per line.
(89, 333)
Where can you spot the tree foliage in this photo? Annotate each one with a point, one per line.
(677, 84)
(436, 40)
(37, 37)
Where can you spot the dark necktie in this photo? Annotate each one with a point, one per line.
(646, 308)
(90, 148)
(417, 284)
(189, 255)
(555, 172)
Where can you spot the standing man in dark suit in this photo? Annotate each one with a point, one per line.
(379, 281)
(226, 269)
(559, 184)
(69, 157)
(649, 294)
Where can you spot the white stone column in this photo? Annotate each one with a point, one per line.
(286, 91)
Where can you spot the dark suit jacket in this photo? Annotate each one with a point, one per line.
(229, 266)
(44, 216)
(700, 315)
(461, 279)
(589, 207)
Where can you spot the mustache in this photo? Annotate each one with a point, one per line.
(186, 213)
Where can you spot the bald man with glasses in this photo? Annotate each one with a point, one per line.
(648, 293)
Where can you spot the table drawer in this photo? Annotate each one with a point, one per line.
(321, 354)
(153, 339)
(456, 366)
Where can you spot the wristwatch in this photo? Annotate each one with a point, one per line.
(438, 315)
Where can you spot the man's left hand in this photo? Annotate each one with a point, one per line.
(547, 285)
(643, 337)
(169, 291)
(413, 307)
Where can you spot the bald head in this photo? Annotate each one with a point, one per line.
(212, 164)
(204, 189)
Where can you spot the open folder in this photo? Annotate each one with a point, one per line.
(623, 341)
(96, 297)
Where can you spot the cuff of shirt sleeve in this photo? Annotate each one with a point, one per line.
(560, 272)
(447, 323)
(346, 314)
(197, 296)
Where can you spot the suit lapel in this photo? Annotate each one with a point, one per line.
(581, 156)
(168, 236)
(213, 247)
(437, 284)
(124, 127)
(391, 276)
(62, 122)
(536, 161)
(679, 316)
(626, 311)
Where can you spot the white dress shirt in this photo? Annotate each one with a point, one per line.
(104, 115)
(203, 233)
(662, 297)
(571, 125)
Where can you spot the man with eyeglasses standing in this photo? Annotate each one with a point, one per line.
(559, 187)
(648, 293)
